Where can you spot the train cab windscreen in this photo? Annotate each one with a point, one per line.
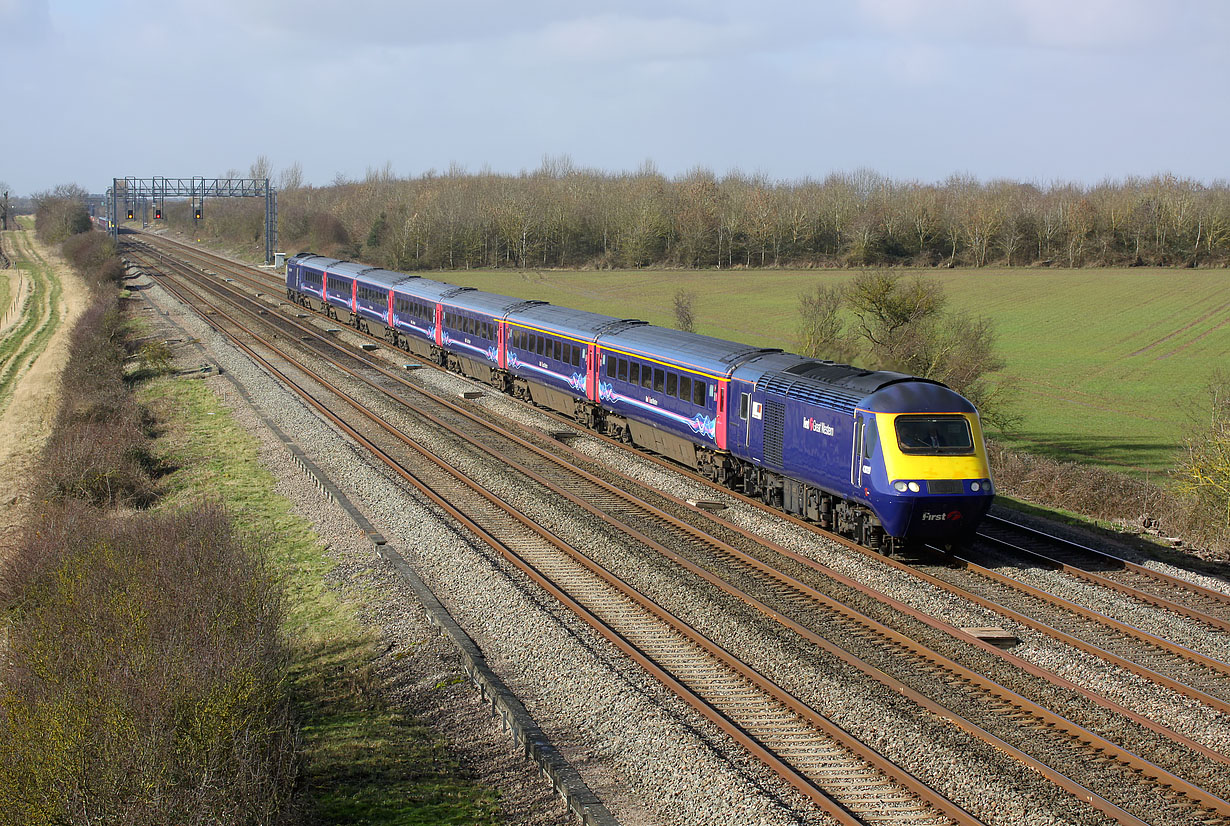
(934, 435)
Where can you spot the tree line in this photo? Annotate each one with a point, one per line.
(563, 216)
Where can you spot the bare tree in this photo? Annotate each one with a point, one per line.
(886, 304)
(822, 331)
(1203, 472)
(685, 318)
(261, 168)
(291, 178)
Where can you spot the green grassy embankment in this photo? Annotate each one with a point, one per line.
(363, 761)
(26, 338)
(1109, 362)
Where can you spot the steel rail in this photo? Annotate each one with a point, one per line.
(1091, 615)
(1164, 579)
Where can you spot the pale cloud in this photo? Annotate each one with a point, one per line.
(24, 23)
(615, 38)
(1032, 89)
(1078, 24)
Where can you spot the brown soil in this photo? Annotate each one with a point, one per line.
(26, 420)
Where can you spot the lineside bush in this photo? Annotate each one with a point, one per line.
(144, 682)
(144, 675)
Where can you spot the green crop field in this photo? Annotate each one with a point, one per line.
(1111, 363)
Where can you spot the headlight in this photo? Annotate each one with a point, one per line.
(975, 486)
(900, 486)
(913, 486)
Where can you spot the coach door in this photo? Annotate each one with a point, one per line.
(744, 414)
(864, 445)
(856, 452)
(591, 371)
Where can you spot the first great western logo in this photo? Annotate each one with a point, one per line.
(815, 425)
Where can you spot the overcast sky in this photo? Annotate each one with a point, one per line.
(1035, 90)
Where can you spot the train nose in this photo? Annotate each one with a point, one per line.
(947, 517)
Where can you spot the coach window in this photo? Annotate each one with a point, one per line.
(622, 374)
(659, 379)
(634, 373)
(672, 384)
(699, 393)
(646, 376)
(743, 405)
(685, 388)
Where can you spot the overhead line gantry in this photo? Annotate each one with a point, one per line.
(140, 193)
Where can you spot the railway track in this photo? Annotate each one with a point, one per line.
(1197, 675)
(1157, 588)
(1009, 705)
(848, 780)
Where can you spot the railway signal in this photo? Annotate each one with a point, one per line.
(157, 214)
(130, 215)
(196, 213)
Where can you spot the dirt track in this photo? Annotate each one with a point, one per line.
(26, 418)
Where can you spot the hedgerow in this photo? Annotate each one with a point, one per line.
(144, 675)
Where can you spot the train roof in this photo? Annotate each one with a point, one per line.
(311, 259)
(382, 277)
(842, 387)
(915, 395)
(428, 289)
(566, 321)
(481, 301)
(376, 276)
(705, 353)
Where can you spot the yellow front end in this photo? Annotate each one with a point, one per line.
(899, 464)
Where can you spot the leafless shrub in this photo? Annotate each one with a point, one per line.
(685, 318)
(144, 681)
(822, 332)
(1203, 473)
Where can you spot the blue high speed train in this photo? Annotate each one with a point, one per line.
(884, 458)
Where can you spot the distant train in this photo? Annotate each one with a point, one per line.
(883, 458)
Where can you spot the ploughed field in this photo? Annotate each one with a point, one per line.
(1111, 363)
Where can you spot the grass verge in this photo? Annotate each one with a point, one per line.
(363, 762)
(27, 338)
